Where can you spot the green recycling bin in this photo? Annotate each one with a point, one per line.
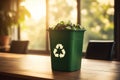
(66, 49)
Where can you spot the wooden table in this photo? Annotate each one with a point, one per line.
(37, 67)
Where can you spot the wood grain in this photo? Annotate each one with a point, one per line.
(37, 67)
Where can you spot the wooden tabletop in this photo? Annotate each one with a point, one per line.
(38, 67)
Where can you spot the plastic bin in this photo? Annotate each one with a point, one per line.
(66, 49)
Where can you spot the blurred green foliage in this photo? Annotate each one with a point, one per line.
(98, 16)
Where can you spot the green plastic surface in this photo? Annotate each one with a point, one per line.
(66, 49)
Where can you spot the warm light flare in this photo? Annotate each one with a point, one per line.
(37, 8)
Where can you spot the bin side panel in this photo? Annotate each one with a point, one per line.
(72, 45)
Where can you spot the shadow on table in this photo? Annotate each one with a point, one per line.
(59, 75)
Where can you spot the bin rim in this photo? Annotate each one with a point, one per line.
(67, 30)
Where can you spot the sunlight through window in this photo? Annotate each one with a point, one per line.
(36, 9)
(34, 28)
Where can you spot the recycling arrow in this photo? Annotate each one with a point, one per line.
(59, 51)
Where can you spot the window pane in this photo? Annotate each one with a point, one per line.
(34, 28)
(97, 16)
(62, 10)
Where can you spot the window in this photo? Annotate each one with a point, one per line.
(34, 28)
(62, 10)
(97, 16)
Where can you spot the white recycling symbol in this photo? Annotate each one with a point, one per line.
(59, 51)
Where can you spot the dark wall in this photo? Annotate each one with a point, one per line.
(8, 5)
(117, 29)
